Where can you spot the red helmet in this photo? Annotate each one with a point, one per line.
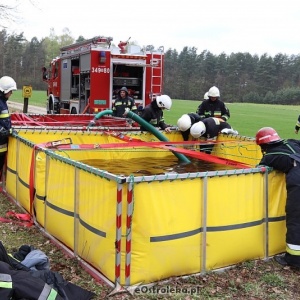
(267, 135)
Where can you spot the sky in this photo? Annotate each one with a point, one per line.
(229, 26)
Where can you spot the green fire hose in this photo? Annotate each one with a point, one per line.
(146, 125)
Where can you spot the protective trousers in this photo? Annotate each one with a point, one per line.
(293, 216)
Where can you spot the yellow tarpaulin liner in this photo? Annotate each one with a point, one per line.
(236, 219)
(97, 221)
(276, 212)
(242, 149)
(180, 225)
(40, 188)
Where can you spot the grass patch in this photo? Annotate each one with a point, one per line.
(273, 280)
(38, 98)
(247, 118)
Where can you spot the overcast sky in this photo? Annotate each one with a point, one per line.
(254, 26)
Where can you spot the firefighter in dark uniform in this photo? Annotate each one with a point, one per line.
(284, 156)
(7, 86)
(122, 103)
(213, 107)
(18, 282)
(153, 112)
(208, 129)
(297, 127)
(185, 122)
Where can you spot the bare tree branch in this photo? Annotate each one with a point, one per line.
(9, 13)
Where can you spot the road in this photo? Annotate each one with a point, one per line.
(15, 106)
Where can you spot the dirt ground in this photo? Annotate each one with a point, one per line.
(14, 106)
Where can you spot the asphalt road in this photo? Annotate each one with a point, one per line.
(15, 106)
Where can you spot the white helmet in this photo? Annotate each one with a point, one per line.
(164, 101)
(206, 96)
(184, 122)
(7, 84)
(214, 92)
(198, 129)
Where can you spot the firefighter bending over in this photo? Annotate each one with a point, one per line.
(209, 128)
(153, 112)
(122, 103)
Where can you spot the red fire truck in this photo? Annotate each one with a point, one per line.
(87, 76)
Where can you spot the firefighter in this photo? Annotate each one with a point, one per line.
(7, 86)
(18, 281)
(185, 122)
(209, 128)
(153, 112)
(213, 106)
(297, 127)
(205, 97)
(123, 102)
(284, 156)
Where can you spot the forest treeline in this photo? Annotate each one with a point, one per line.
(241, 77)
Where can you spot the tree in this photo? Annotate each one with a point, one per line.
(80, 39)
(7, 13)
(65, 39)
(14, 48)
(33, 60)
(3, 51)
(171, 73)
(241, 77)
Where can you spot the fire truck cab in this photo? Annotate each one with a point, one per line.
(87, 76)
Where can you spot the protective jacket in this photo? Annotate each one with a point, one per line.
(284, 156)
(297, 127)
(216, 108)
(122, 103)
(153, 115)
(194, 119)
(214, 127)
(5, 123)
(20, 282)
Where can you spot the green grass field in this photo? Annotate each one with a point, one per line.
(246, 118)
(38, 98)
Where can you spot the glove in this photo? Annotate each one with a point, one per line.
(229, 131)
(127, 110)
